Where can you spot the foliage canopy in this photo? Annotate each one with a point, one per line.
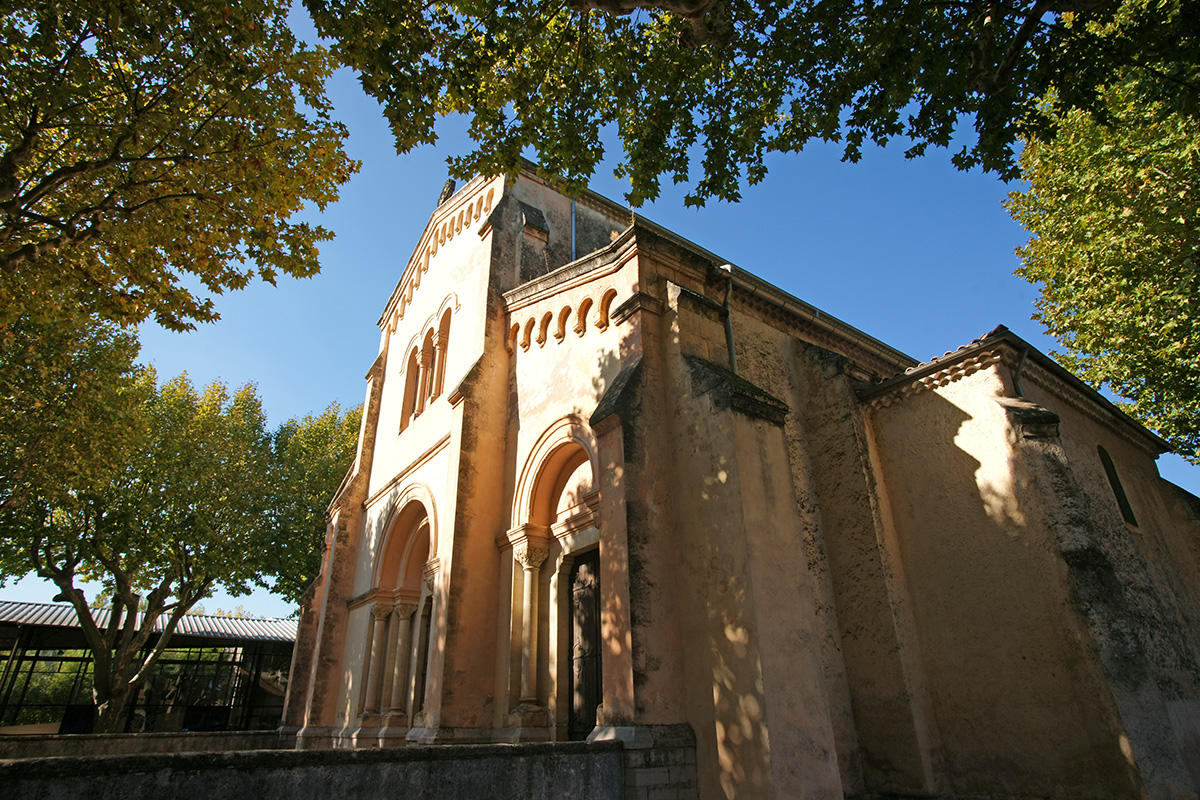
(310, 459)
(731, 81)
(142, 142)
(1115, 215)
(63, 417)
(161, 493)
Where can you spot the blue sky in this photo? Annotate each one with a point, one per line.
(914, 253)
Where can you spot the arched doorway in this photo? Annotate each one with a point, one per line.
(396, 661)
(585, 689)
(563, 507)
(556, 586)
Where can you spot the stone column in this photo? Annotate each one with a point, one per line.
(531, 557)
(387, 664)
(439, 365)
(396, 696)
(423, 382)
(560, 643)
(377, 657)
(419, 712)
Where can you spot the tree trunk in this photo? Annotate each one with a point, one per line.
(110, 708)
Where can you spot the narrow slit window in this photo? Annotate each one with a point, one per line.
(1118, 489)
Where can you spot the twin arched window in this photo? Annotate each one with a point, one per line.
(425, 371)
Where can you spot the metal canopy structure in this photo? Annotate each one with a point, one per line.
(218, 673)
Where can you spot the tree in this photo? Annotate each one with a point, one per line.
(178, 515)
(1115, 215)
(310, 458)
(62, 410)
(730, 81)
(150, 148)
(158, 494)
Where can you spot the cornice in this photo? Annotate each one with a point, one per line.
(403, 474)
(1091, 403)
(594, 265)
(469, 205)
(1008, 348)
(904, 386)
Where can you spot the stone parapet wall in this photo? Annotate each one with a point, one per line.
(662, 766)
(119, 744)
(543, 771)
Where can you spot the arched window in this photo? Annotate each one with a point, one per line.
(426, 392)
(1118, 490)
(441, 351)
(411, 373)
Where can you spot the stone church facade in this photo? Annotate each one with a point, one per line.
(609, 488)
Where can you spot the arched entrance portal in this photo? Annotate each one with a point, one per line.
(555, 580)
(562, 506)
(398, 643)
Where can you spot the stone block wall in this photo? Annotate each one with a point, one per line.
(543, 771)
(664, 769)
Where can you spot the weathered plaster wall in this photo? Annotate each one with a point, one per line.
(875, 638)
(336, 580)
(747, 604)
(875, 690)
(644, 596)
(1134, 584)
(295, 702)
(550, 237)
(1016, 698)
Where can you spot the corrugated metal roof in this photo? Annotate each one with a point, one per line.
(62, 615)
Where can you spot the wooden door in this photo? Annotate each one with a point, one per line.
(586, 691)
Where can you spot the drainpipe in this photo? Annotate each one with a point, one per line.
(728, 270)
(1017, 373)
(574, 252)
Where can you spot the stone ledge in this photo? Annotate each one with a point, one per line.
(733, 391)
(1030, 419)
(36, 746)
(87, 766)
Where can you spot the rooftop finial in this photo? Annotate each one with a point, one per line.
(447, 191)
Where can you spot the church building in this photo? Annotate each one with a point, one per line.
(609, 487)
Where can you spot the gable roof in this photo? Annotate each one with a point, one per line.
(955, 364)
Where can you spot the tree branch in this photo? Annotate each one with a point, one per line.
(17, 156)
(34, 250)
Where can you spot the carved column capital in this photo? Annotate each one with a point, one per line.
(430, 571)
(381, 611)
(530, 554)
(404, 610)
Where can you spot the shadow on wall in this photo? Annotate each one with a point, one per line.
(614, 559)
(1019, 706)
(394, 672)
